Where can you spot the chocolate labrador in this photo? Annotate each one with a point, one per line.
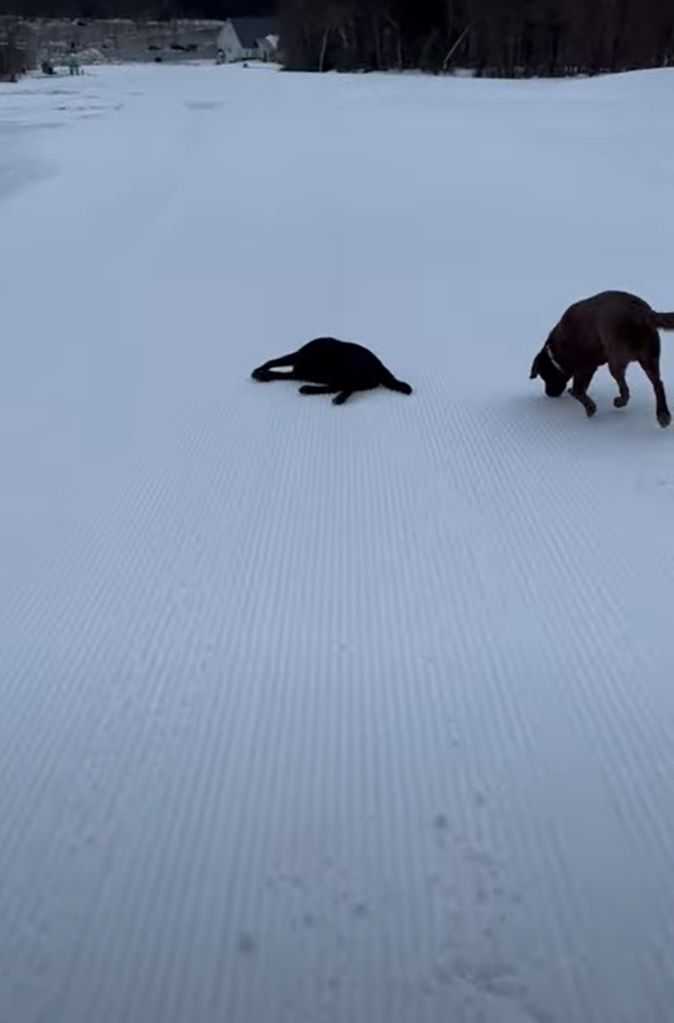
(612, 327)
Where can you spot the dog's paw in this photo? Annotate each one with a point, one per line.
(664, 419)
(619, 402)
(590, 410)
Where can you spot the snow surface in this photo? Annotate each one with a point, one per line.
(360, 714)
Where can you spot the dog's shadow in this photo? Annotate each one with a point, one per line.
(536, 414)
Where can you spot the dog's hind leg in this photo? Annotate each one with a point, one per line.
(264, 372)
(651, 367)
(578, 390)
(342, 397)
(318, 389)
(617, 371)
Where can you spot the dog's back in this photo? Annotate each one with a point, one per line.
(606, 326)
(327, 360)
(344, 364)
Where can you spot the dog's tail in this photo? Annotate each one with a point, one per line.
(388, 380)
(663, 321)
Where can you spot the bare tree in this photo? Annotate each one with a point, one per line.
(16, 49)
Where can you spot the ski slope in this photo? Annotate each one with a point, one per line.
(359, 714)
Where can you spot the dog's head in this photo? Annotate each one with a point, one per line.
(554, 380)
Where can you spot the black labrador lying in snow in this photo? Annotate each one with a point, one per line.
(332, 367)
(612, 327)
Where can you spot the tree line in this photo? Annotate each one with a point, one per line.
(496, 37)
(150, 10)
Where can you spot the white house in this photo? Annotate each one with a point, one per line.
(248, 39)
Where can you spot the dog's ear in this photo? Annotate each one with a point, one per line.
(533, 373)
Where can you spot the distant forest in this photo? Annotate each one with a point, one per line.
(494, 37)
(152, 10)
(502, 37)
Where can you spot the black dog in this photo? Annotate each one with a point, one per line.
(333, 367)
(612, 327)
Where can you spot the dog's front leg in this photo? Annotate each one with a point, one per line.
(578, 390)
(318, 389)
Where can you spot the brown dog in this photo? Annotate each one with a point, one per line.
(612, 327)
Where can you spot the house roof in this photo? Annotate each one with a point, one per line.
(249, 30)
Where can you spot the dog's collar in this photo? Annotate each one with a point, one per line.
(553, 360)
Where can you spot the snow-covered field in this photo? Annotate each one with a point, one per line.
(359, 714)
